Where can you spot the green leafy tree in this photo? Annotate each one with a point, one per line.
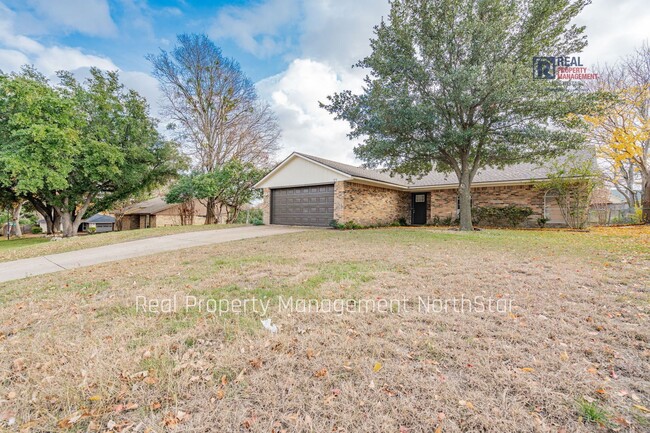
(231, 186)
(78, 148)
(573, 183)
(38, 140)
(451, 88)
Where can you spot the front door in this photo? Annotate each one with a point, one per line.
(419, 208)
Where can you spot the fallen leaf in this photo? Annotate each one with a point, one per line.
(592, 370)
(438, 429)
(220, 394)
(95, 397)
(70, 420)
(240, 376)
(642, 408)
(321, 373)
(377, 367)
(310, 353)
(527, 369)
(600, 391)
(256, 362)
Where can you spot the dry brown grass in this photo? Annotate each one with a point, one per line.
(74, 349)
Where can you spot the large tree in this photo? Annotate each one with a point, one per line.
(78, 147)
(621, 131)
(451, 87)
(214, 107)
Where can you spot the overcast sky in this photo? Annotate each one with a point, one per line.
(297, 51)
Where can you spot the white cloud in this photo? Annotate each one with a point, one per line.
(333, 36)
(339, 32)
(614, 30)
(257, 29)
(21, 50)
(12, 60)
(91, 17)
(294, 96)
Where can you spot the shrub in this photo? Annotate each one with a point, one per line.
(92, 230)
(501, 216)
(573, 182)
(350, 225)
(37, 230)
(335, 224)
(402, 222)
(250, 217)
(438, 221)
(542, 221)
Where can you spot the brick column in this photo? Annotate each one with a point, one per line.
(266, 206)
(339, 201)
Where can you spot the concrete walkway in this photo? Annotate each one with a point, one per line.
(126, 250)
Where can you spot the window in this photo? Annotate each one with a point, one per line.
(420, 198)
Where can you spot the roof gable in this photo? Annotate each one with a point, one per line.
(300, 170)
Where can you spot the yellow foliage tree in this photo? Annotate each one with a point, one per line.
(622, 132)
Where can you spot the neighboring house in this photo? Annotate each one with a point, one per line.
(312, 191)
(158, 213)
(102, 223)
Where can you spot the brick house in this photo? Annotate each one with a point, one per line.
(312, 191)
(158, 213)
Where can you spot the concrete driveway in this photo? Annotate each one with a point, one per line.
(91, 256)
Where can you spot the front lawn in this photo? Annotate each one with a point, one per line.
(13, 250)
(10, 246)
(572, 354)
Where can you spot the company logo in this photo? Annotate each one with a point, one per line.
(561, 68)
(544, 68)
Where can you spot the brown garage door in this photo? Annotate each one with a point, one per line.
(303, 206)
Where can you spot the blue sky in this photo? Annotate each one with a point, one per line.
(297, 51)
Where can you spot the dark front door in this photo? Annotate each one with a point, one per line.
(419, 208)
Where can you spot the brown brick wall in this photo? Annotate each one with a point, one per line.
(368, 205)
(443, 202)
(500, 196)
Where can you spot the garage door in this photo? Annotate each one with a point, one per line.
(304, 206)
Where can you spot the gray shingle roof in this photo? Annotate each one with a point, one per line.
(100, 218)
(513, 173)
(151, 206)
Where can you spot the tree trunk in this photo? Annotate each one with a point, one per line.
(68, 229)
(645, 200)
(119, 219)
(219, 215)
(71, 224)
(209, 215)
(72, 220)
(465, 199)
(15, 217)
(49, 213)
(56, 223)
